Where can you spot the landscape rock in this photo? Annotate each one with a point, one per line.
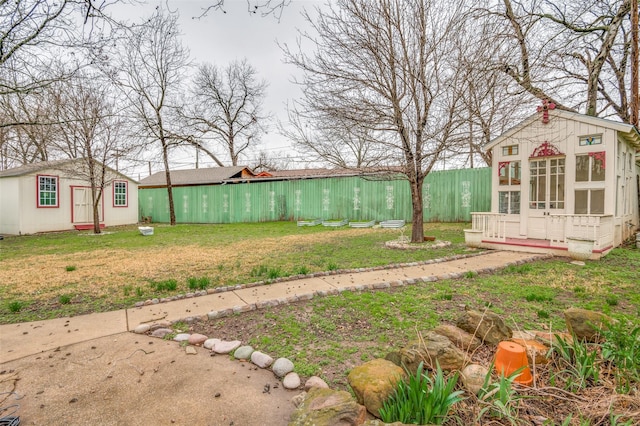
(536, 351)
(524, 334)
(432, 349)
(549, 338)
(298, 399)
(190, 350)
(328, 407)
(224, 346)
(260, 359)
(243, 352)
(373, 382)
(585, 324)
(197, 339)
(473, 376)
(463, 340)
(291, 381)
(142, 328)
(161, 332)
(210, 343)
(281, 367)
(181, 337)
(487, 326)
(315, 382)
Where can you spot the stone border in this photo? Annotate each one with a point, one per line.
(300, 277)
(321, 293)
(427, 245)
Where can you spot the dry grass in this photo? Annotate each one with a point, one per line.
(103, 272)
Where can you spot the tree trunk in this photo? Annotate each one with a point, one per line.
(96, 212)
(417, 229)
(167, 174)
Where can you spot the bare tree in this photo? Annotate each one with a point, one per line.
(34, 32)
(27, 139)
(492, 101)
(89, 129)
(265, 7)
(264, 162)
(333, 140)
(383, 64)
(150, 71)
(560, 51)
(227, 107)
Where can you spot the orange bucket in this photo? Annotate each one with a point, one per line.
(510, 357)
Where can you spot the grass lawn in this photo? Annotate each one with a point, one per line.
(54, 275)
(70, 273)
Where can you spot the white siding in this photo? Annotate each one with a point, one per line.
(9, 199)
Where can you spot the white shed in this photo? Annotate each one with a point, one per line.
(54, 196)
(561, 181)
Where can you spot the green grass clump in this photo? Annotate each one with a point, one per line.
(70, 268)
(499, 399)
(274, 273)
(422, 400)
(302, 270)
(201, 283)
(64, 299)
(258, 271)
(542, 314)
(576, 363)
(166, 285)
(612, 300)
(535, 297)
(622, 349)
(15, 306)
(332, 266)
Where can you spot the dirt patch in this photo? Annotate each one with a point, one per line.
(130, 379)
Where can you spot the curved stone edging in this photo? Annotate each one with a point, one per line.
(362, 287)
(216, 290)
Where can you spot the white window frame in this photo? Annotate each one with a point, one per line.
(48, 184)
(125, 185)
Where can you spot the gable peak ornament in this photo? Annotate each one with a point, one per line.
(546, 149)
(544, 109)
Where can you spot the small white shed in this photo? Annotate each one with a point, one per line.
(560, 179)
(54, 196)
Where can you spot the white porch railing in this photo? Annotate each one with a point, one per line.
(492, 225)
(598, 228)
(559, 227)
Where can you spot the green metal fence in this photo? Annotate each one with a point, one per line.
(448, 196)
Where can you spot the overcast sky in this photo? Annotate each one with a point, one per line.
(220, 38)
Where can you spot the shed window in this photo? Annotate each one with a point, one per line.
(590, 167)
(509, 173)
(47, 191)
(589, 201)
(590, 140)
(510, 150)
(509, 202)
(120, 193)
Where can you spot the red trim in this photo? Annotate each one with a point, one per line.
(86, 227)
(72, 208)
(126, 194)
(57, 205)
(546, 149)
(538, 245)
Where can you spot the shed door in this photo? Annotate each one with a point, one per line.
(82, 209)
(546, 195)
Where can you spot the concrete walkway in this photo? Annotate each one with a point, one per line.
(20, 340)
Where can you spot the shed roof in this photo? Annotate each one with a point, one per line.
(629, 132)
(27, 169)
(212, 175)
